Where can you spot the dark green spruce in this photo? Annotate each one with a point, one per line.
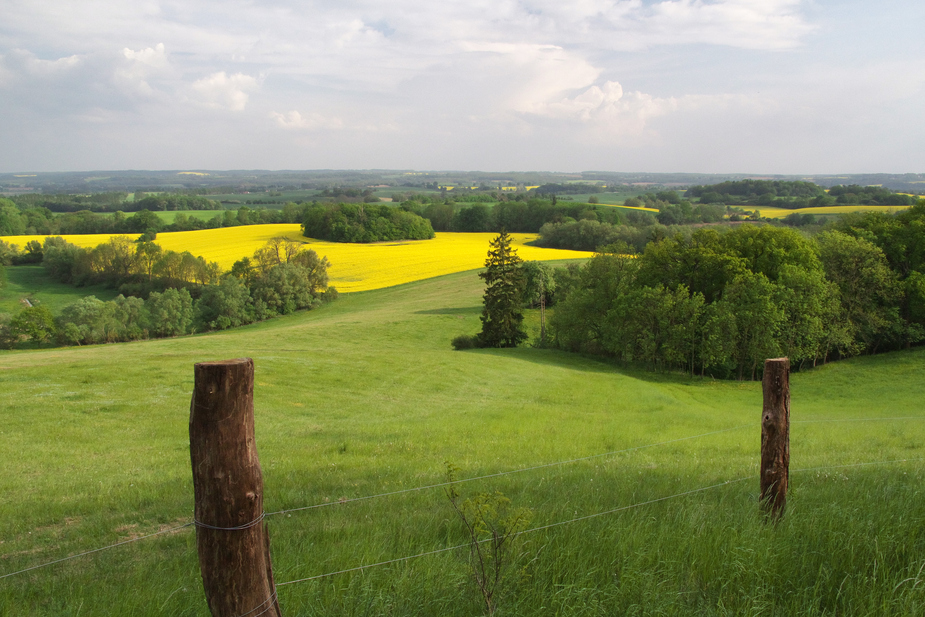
(502, 318)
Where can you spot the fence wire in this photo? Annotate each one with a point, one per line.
(584, 518)
(484, 477)
(505, 473)
(98, 550)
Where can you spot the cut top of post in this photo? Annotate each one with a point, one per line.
(222, 389)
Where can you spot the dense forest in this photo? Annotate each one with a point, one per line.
(721, 301)
(526, 214)
(363, 223)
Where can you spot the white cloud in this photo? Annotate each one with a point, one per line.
(445, 83)
(293, 120)
(748, 24)
(220, 90)
(609, 106)
(23, 65)
(526, 75)
(154, 57)
(133, 73)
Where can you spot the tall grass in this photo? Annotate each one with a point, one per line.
(365, 396)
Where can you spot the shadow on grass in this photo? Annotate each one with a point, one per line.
(591, 364)
(465, 310)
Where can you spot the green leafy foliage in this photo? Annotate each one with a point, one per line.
(538, 283)
(724, 302)
(364, 223)
(34, 323)
(280, 279)
(492, 525)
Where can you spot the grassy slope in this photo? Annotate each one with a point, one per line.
(168, 217)
(32, 282)
(365, 396)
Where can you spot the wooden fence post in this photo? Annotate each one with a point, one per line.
(233, 541)
(775, 436)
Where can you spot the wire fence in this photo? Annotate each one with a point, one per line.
(193, 523)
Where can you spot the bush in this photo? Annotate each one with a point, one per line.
(465, 341)
(330, 294)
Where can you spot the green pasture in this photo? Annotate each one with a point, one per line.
(34, 284)
(612, 199)
(241, 199)
(365, 396)
(170, 216)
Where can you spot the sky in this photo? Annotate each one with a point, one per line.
(706, 86)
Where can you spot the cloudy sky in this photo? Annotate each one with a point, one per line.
(726, 86)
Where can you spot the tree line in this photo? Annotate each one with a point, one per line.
(636, 229)
(517, 215)
(167, 293)
(720, 302)
(795, 194)
(17, 220)
(115, 201)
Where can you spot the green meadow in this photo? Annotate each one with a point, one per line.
(170, 216)
(643, 487)
(34, 283)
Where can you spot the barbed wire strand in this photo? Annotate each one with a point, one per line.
(900, 460)
(253, 523)
(194, 523)
(269, 603)
(467, 544)
(821, 421)
(97, 550)
(557, 463)
(388, 494)
(581, 518)
(505, 473)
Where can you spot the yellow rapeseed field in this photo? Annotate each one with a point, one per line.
(779, 213)
(87, 241)
(354, 267)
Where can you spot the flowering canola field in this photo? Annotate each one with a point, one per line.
(779, 213)
(354, 267)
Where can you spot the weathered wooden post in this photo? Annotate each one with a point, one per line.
(775, 436)
(233, 541)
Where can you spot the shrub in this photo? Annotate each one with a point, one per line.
(330, 294)
(465, 341)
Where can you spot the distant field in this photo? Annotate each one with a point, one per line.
(241, 199)
(82, 240)
(170, 216)
(354, 267)
(779, 213)
(612, 199)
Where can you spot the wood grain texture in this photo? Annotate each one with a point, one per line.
(232, 539)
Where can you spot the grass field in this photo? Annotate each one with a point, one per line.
(365, 396)
(31, 282)
(168, 217)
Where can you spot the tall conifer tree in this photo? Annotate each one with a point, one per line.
(502, 319)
